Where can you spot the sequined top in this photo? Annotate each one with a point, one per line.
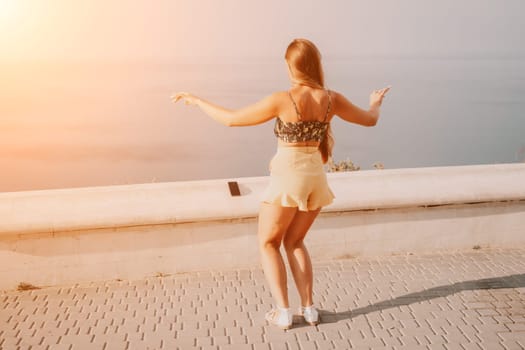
(302, 130)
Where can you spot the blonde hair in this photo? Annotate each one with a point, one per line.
(304, 60)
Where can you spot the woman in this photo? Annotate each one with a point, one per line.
(298, 186)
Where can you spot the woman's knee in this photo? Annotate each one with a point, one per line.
(274, 221)
(272, 237)
(271, 244)
(291, 244)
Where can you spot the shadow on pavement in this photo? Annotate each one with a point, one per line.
(511, 281)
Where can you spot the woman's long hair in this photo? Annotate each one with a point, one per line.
(304, 60)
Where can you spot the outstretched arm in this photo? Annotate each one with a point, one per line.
(254, 114)
(354, 114)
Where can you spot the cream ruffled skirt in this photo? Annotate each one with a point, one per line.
(297, 179)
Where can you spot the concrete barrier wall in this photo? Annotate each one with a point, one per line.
(84, 234)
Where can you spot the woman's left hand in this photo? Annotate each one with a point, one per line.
(376, 97)
(188, 98)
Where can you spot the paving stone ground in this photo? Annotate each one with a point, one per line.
(456, 300)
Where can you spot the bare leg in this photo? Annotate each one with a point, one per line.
(298, 256)
(273, 223)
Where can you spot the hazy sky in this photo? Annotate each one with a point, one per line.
(181, 29)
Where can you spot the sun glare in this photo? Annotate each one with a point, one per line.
(8, 12)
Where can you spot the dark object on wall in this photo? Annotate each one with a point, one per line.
(234, 188)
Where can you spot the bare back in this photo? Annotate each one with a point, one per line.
(312, 104)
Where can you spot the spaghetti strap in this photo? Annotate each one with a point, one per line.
(295, 106)
(329, 105)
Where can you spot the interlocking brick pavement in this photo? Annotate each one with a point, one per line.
(455, 300)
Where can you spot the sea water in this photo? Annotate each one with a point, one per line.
(76, 124)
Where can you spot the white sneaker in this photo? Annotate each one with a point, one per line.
(310, 314)
(280, 317)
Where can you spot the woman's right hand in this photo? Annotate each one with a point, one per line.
(376, 97)
(188, 98)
